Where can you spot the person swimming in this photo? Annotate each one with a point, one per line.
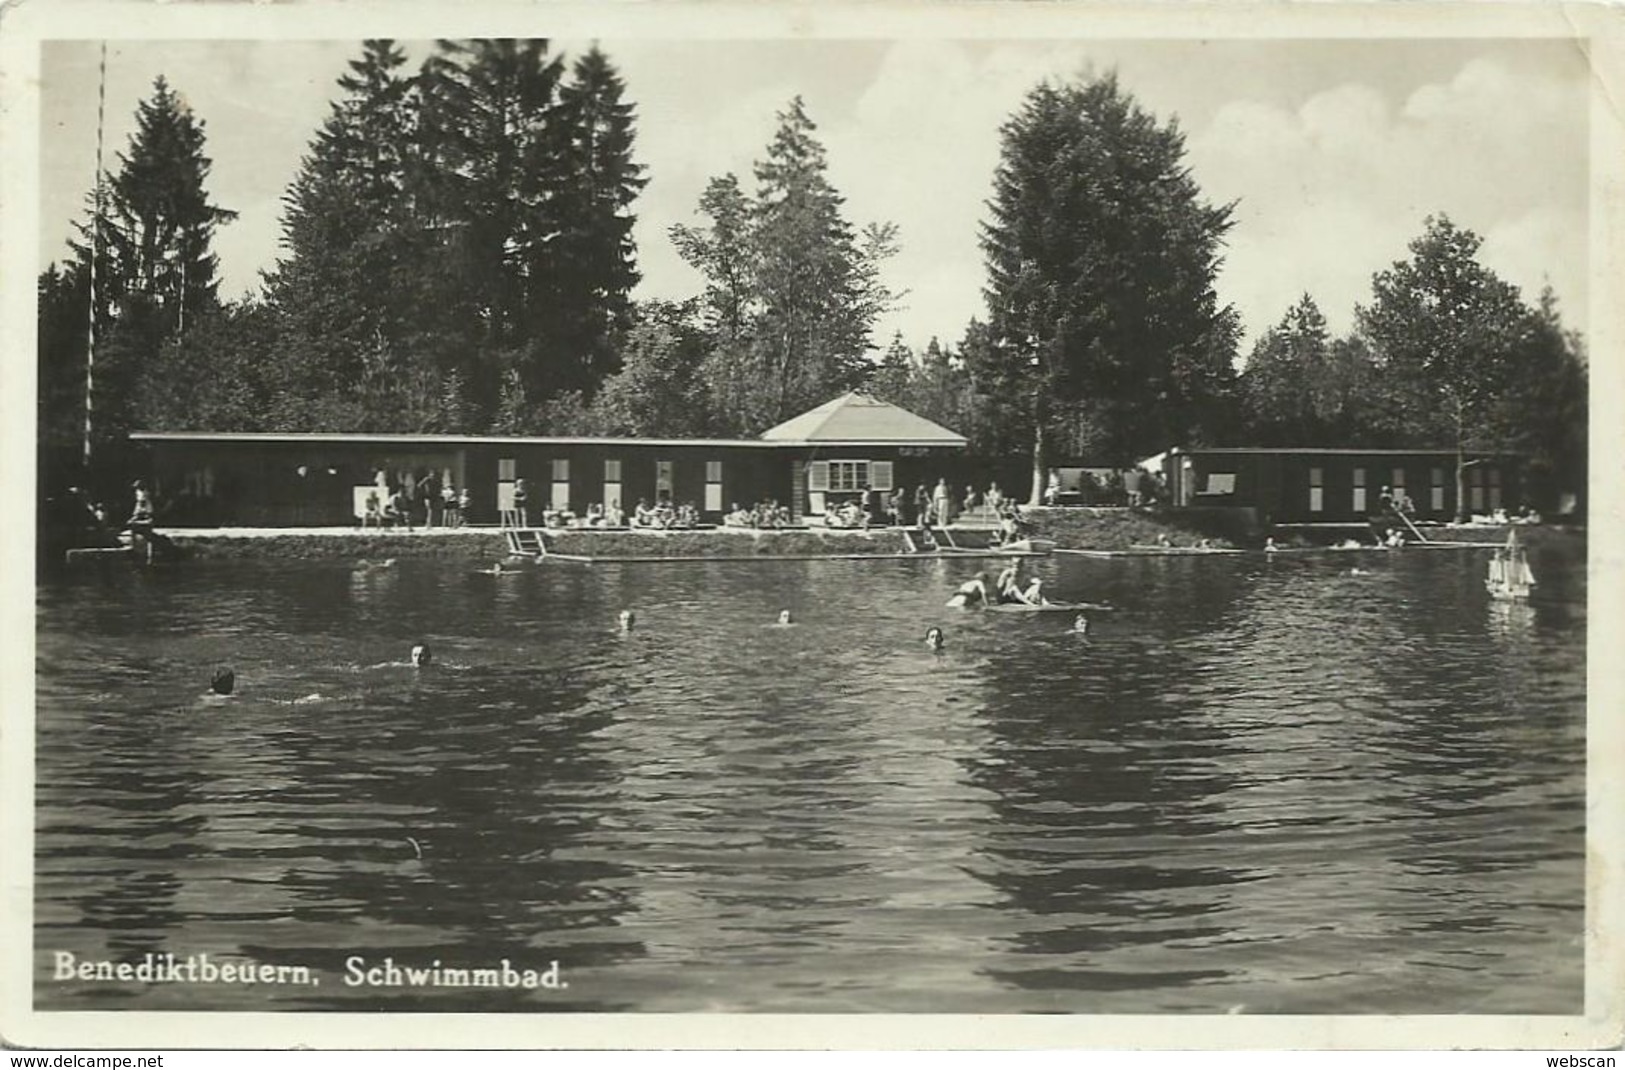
(785, 618)
(1269, 545)
(1080, 625)
(421, 655)
(223, 681)
(933, 638)
(627, 620)
(1006, 586)
(972, 592)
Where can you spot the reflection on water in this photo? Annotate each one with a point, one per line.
(1272, 785)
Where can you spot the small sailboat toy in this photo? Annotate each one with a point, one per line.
(1509, 578)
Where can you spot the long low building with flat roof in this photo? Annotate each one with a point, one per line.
(274, 479)
(1326, 486)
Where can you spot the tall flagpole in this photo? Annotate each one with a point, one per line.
(95, 255)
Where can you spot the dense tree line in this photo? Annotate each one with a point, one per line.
(458, 257)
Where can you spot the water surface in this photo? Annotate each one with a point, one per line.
(1267, 785)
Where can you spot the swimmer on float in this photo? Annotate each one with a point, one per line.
(1033, 595)
(972, 592)
(1269, 545)
(933, 639)
(1006, 586)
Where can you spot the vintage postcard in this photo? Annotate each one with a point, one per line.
(903, 525)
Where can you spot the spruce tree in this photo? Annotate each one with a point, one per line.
(793, 289)
(1101, 256)
(596, 258)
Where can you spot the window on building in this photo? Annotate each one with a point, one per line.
(848, 476)
(1317, 490)
(1436, 495)
(1475, 489)
(1220, 483)
(713, 486)
(1398, 481)
(559, 495)
(663, 480)
(612, 484)
(880, 475)
(1359, 491)
(1494, 477)
(506, 469)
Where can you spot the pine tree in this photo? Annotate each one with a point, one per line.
(596, 258)
(151, 233)
(160, 223)
(1278, 384)
(495, 160)
(1101, 259)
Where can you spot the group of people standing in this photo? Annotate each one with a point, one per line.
(405, 501)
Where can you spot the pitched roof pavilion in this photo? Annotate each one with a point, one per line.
(858, 419)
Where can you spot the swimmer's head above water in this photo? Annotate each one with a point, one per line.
(627, 620)
(422, 655)
(1081, 625)
(785, 618)
(223, 681)
(933, 638)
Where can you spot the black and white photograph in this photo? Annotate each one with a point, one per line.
(779, 515)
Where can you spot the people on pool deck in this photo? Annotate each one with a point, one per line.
(627, 620)
(933, 638)
(223, 681)
(922, 504)
(942, 503)
(1394, 539)
(521, 503)
(421, 655)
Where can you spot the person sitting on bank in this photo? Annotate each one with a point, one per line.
(642, 515)
(399, 510)
(140, 522)
(451, 514)
(372, 510)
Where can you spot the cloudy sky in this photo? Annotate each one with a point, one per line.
(1334, 150)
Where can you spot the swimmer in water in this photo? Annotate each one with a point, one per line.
(222, 682)
(1081, 625)
(627, 620)
(421, 655)
(933, 638)
(1269, 545)
(784, 617)
(971, 592)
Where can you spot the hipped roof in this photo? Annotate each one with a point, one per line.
(857, 419)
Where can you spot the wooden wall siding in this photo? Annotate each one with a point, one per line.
(1278, 484)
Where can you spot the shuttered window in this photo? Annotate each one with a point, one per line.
(880, 475)
(818, 476)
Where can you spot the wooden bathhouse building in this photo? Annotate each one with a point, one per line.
(1336, 486)
(829, 454)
